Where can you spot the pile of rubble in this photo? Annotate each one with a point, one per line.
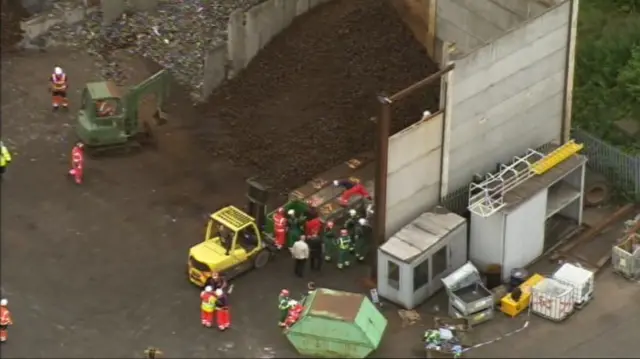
(175, 35)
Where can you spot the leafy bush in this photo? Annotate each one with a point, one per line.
(607, 85)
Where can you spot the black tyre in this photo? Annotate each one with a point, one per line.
(261, 259)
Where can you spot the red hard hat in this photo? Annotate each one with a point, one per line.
(284, 292)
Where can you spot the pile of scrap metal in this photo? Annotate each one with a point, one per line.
(443, 342)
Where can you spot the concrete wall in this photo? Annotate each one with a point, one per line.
(113, 9)
(506, 97)
(413, 171)
(248, 33)
(470, 24)
(41, 23)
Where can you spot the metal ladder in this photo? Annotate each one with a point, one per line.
(556, 157)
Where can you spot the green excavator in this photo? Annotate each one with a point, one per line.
(113, 119)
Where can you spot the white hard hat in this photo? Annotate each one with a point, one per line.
(219, 292)
(352, 212)
(336, 183)
(362, 221)
(57, 71)
(4, 302)
(293, 302)
(291, 212)
(208, 288)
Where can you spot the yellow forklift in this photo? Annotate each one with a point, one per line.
(111, 118)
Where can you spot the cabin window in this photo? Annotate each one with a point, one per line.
(439, 261)
(393, 275)
(421, 275)
(108, 107)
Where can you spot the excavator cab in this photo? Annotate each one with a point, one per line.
(110, 118)
(101, 117)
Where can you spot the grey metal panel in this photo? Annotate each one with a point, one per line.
(462, 277)
(524, 233)
(422, 233)
(486, 243)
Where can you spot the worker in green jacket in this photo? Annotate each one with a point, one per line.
(350, 223)
(361, 239)
(344, 248)
(329, 241)
(283, 306)
(294, 232)
(5, 158)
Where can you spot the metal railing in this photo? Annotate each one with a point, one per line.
(622, 169)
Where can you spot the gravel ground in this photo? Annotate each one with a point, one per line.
(11, 15)
(305, 103)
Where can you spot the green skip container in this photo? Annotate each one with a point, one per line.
(337, 324)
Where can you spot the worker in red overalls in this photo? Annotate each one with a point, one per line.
(77, 162)
(223, 315)
(280, 227)
(312, 228)
(207, 306)
(5, 319)
(295, 310)
(59, 89)
(351, 188)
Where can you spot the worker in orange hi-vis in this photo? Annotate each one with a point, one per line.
(280, 227)
(77, 163)
(207, 306)
(58, 89)
(5, 319)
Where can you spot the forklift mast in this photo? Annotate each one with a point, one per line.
(157, 84)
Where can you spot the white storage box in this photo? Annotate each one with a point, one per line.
(580, 279)
(552, 299)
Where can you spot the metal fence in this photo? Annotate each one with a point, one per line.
(622, 169)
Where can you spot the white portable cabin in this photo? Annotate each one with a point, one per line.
(509, 210)
(413, 261)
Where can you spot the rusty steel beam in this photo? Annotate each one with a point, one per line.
(382, 161)
(595, 230)
(420, 84)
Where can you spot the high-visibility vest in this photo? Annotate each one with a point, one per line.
(59, 82)
(5, 316)
(208, 302)
(344, 242)
(279, 223)
(5, 158)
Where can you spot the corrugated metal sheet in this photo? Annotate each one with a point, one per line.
(421, 234)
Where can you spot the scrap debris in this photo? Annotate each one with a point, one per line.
(175, 35)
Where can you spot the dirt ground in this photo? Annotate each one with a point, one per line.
(305, 103)
(99, 270)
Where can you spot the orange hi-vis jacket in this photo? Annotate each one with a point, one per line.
(5, 317)
(280, 223)
(77, 155)
(59, 82)
(208, 302)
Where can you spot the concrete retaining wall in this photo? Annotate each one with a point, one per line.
(40, 24)
(414, 171)
(113, 9)
(506, 97)
(248, 33)
(470, 24)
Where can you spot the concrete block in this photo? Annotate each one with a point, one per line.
(215, 65)
(302, 6)
(492, 12)
(467, 20)
(112, 10)
(40, 24)
(289, 12)
(144, 5)
(236, 42)
(252, 35)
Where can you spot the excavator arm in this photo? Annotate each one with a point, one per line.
(158, 85)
